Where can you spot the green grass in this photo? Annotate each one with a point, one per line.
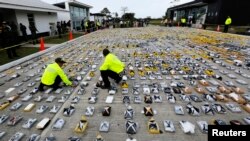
(155, 22)
(25, 51)
(57, 40)
(21, 52)
(232, 29)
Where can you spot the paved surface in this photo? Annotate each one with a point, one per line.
(38, 45)
(86, 51)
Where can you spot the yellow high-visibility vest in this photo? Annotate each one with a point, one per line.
(86, 24)
(228, 21)
(183, 20)
(112, 63)
(98, 24)
(51, 72)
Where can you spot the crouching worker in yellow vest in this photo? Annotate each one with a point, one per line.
(54, 75)
(112, 67)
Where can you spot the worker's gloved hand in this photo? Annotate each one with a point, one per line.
(122, 73)
(73, 85)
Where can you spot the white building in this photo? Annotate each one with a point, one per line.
(98, 17)
(42, 14)
(78, 12)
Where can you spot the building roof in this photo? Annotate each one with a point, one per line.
(74, 3)
(30, 5)
(97, 14)
(194, 3)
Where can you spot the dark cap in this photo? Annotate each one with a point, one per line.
(59, 60)
(105, 52)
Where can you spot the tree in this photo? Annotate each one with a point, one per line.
(116, 15)
(116, 19)
(128, 16)
(105, 11)
(148, 18)
(124, 9)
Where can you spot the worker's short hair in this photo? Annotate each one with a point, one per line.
(105, 52)
(59, 60)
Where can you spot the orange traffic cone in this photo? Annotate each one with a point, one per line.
(70, 35)
(218, 28)
(41, 44)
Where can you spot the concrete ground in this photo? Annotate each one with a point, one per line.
(38, 45)
(86, 51)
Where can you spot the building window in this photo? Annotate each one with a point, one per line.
(31, 19)
(216, 13)
(76, 12)
(83, 13)
(212, 14)
(71, 9)
(208, 14)
(77, 15)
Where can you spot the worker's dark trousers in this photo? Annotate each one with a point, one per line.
(55, 86)
(11, 52)
(108, 73)
(226, 28)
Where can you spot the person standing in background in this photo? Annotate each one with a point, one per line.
(166, 22)
(64, 27)
(59, 29)
(82, 25)
(183, 21)
(24, 32)
(7, 37)
(227, 24)
(68, 26)
(33, 31)
(14, 33)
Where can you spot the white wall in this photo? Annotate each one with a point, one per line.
(66, 5)
(98, 18)
(21, 17)
(63, 16)
(42, 20)
(91, 18)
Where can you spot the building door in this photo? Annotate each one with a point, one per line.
(52, 27)
(175, 16)
(31, 19)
